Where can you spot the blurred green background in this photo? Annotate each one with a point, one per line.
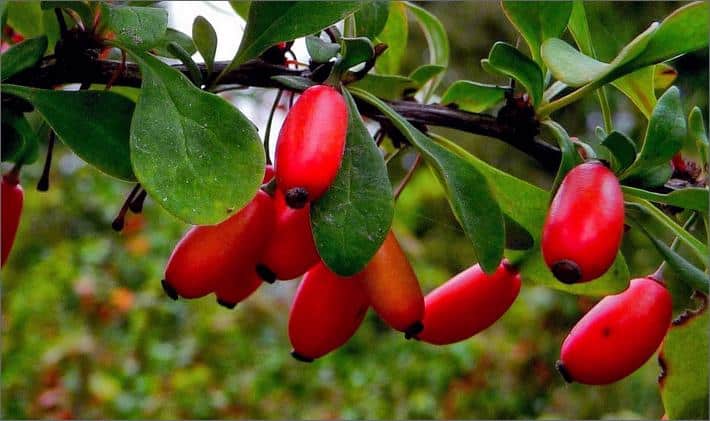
(87, 331)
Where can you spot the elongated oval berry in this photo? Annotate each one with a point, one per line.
(210, 255)
(291, 250)
(12, 199)
(618, 335)
(393, 288)
(584, 225)
(468, 303)
(326, 312)
(310, 145)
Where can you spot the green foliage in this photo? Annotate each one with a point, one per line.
(321, 51)
(389, 87)
(469, 193)
(173, 36)
(19, 140)
(437, 41)
(194, 152)
(395, 35)
(371, 18)
(95, 124)
(142, 27)
(351, 220)
(506, 60)
(684, 386)
(205, 39)
(22, 56)
(472, 96)
(275, 21)
(537, 21)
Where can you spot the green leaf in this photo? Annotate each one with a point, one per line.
(351, 220)
(695, 198)
(298, 83)
(696, 131)
(473, 96)
(22, 56)
(355, 51)
(177, 51)
(195, 154)
(469, 193)
(684, 385)
(506, 60)
(173, 35)
(686, 271)
(527, 205)
(684, 30)
(19, 140)
(271, 22)
(664, 135)
(579, 28)
(656, 222)
(537, 21)
(622, 147)
(142, 27)
(424, 73)
(371, 18)
(395, 34)
(663, 76)
(639, 88)
(437, 42)
(570, 157)
(26, 17)
(653, 177)
(205, 39)
(241, 7)
(389, 87)
(81, 8)
(319, 50)
(94, 124)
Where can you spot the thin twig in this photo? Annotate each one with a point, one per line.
(408, 176)
(267, 135)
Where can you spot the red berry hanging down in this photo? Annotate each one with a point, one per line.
(12, 198)
(618, 335)
(468, 303)
(326, 312)
(213, 257)
(291, 250)
(584, 225)
(393, 289)
(310, 145)
(236, 289)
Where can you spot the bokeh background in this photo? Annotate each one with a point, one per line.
(87, 331)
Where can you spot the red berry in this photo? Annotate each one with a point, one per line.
(584, 225)
(291, 250)
(468, 303)
(310, 145)
(12, 198)
(238, 288)
(212, 255)
(393, 289)
(326, 312)
(618, 335)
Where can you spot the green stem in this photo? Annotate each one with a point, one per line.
(573, 96)
(658, 275)
(606, 110)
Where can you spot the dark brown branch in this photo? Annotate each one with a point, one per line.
(258, 73)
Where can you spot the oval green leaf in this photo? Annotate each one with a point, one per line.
(623, 148)
(351, 220)
(695, 198)
(371, 18)
(205, 39)
(94, 124)
(195, 154)
(395, 34)
(142, 27)
(437, 42)
(506, 60)
(473, 96)
(319, 50)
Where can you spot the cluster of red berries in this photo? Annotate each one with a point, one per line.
(271, 239)
(580, 241)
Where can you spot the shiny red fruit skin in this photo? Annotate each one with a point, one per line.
(393, 288)
(618, 335)
(585, 222)
(310, 146)
(291, 250)
(210, 255)
(326, 311)
(12, 199)
(238, 288)
(468, 303)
